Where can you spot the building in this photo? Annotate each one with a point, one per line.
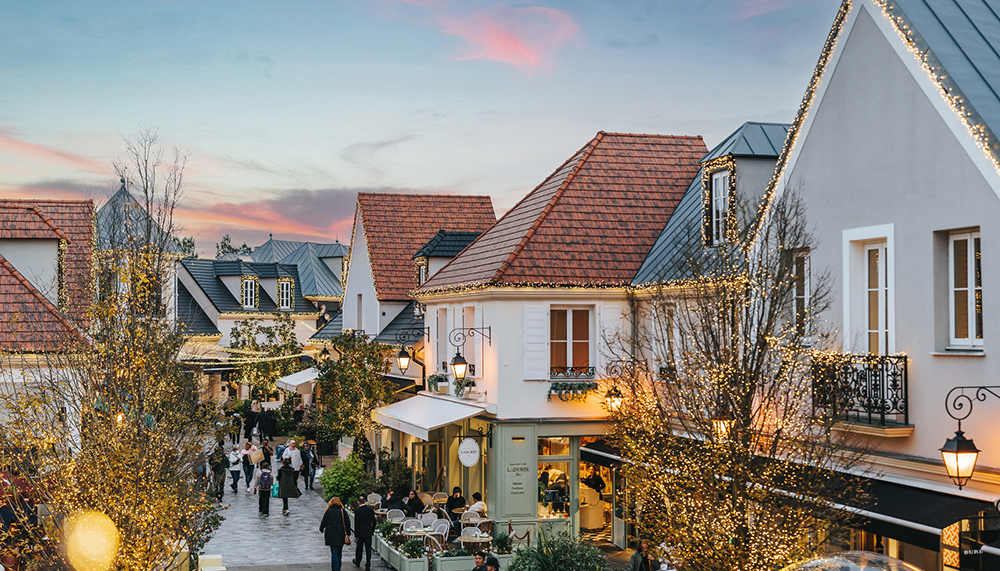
(535, 307)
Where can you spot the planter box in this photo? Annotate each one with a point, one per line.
(455, 563)
(504, 560)
(380, 547)
(418, 564)
(391, 557)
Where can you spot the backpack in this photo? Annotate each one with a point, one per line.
(265, 481)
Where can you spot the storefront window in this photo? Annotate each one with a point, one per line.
(558, 446)
(553, 490)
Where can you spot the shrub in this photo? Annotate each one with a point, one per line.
(503, 543)
(455, 553)
(563, 551)
(345, 479)
(395, 474)
(412, 548)
(286, 415)
(385, 529)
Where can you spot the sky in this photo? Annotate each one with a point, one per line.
(287, 109)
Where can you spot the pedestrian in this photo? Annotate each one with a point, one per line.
(248, 466)
(234, 429)
(642, 560)
(307, 465)
(234, 466)
(295, 455)
(480, 561)
(492, 564)
(364, 529)
(414, 505)
(336, 529)
(248, 424)
(263, 480)
(287, 486)
(218, 463)
(267, 450)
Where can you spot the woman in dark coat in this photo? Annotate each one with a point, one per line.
(287, 487)
(414, 505)
(335, 527)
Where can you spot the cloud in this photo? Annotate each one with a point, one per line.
(362, 155)
(525, 37)
(9, 143)
(58, 189)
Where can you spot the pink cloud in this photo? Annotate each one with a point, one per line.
(752, 8)
(48, 154)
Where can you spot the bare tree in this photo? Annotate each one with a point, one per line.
(729, 463)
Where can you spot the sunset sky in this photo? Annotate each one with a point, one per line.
(289, 108)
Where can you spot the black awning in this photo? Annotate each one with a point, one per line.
(914, 515)
(601, 453)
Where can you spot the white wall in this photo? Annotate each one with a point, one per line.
(880, 151)
(360, 281)
(37, 260)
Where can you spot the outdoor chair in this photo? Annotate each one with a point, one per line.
(486, 526)
(439, 520)
(427, 518)
(467, 532)
(434, 543)
(425, 498)
(439, 496)
(395, 515)
(412, 524)
(374, 498)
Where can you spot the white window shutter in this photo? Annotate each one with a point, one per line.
(609, 336)
(431, 347)
(536, 342)
(478, 353)
(449, 321)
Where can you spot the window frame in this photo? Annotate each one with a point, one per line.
(570, 369)
(970, 342)
(285, 298)
(249, 292)
(719, 220)
(803, 331)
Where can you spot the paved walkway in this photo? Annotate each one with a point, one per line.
(248, 542)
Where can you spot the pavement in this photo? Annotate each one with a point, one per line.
(249, 542)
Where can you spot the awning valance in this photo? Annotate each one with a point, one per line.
(420, 414)
(601, 453)
(292, 382)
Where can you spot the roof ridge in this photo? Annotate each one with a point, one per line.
(657, 135)
(38, 295)
(47, 200)
(548, 207)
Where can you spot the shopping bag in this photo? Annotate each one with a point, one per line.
(274, 490)
(256, 456)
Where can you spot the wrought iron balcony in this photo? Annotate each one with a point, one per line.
(862, 388)
(572, 372)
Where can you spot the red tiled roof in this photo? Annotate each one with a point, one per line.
(30, 322)
(590, 223)
(71, 220)
(397, 225)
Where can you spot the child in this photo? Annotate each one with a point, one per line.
(263, 480)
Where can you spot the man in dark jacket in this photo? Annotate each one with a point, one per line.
(287, 486)
(248, 423)
(364, 529)
(336, 527)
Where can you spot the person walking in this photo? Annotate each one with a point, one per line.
(263, 480)
(310, 461)
(480, 561)
(295, 455)
(234, 467)
(642, 560)
(364, 529)
(336, 529)
(218, 463)
(492, 564)
(234, 429)
(248, 424)
(287, 486)
(248, 466)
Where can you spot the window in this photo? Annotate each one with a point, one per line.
(569, 343)
(876, 298)
(421, 273)
(285, 294)
(800, 293)
(361, 313)
(965, 289)
(719, 206)
(249, 291)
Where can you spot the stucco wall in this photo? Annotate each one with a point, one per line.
(879, 152)
(37, 261)
(360, 281)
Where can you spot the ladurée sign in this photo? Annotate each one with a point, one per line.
(468, 452)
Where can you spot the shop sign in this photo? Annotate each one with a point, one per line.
(468, 452)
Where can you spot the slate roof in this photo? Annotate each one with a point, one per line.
(961, 39)
(407, 321)
(332, 328)
(589, 223)
(752, 139)
(446, 244)
(206, 274)
(74, 220)
(397, 225)
(670, 257)
(122, 222)
(191, 318)
(318, 281)
(30, 321)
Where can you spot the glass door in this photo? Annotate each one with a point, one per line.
(619, 510)
(876, 290)
(428, 472)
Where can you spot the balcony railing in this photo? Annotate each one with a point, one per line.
(862, 388)
(572, 372)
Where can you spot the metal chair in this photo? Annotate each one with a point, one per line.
(485, 526)
(425, 498)
(427, 518)
(434, 543)
(439, 496)
(395, 515)
(411, 524)
(374, 498)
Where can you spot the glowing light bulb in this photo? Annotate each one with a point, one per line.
(91, 541)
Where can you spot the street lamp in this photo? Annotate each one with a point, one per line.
(324, 355)
(402, 360)
(960, 455)
(614, 398)
(459, 366)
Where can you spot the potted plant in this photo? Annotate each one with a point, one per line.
(454, 560)
(502, 547)
(412, 556)
(437, 383)
(383, 532)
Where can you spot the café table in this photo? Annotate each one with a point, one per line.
(475, 540)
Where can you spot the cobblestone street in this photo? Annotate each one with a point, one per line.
(248, 542)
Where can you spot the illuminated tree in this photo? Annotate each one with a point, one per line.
(353, 385)
(109, 422)
(264, 352)
(729, 464)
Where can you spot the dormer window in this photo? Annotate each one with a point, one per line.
(249, 291)
(719, 206)
(421, 271)
(285, 294)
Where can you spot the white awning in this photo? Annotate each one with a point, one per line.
(420, 414)
(292, 382)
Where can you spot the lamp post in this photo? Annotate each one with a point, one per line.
(614, 398)
(960, 453)
(407, 338)
(460, 368)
